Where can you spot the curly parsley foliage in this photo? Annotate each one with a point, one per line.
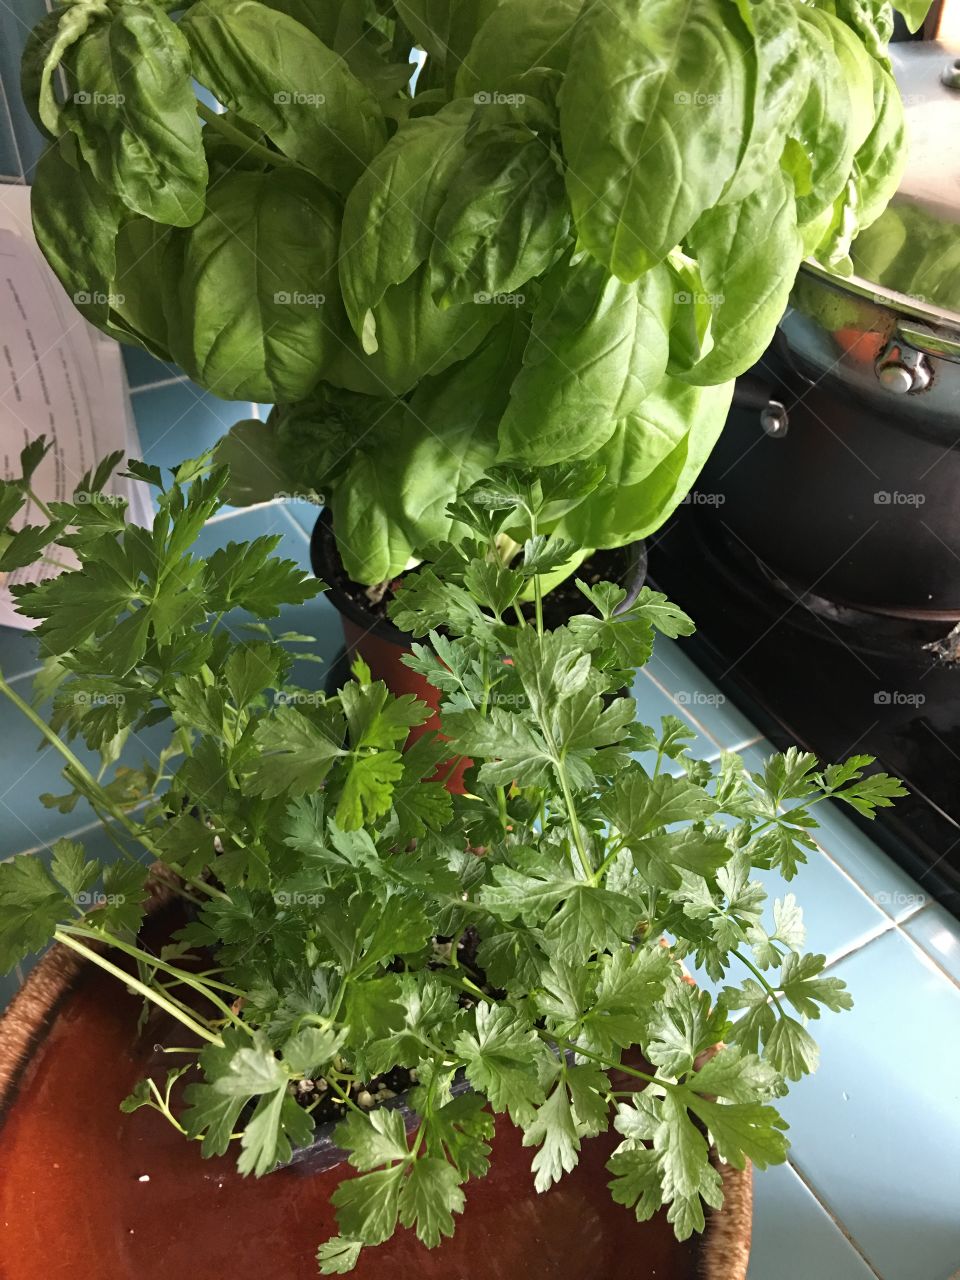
(333, 875)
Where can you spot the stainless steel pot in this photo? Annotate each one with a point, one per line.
(846, 483)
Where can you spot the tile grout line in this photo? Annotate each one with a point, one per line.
(682, 711)
(852, 878)
(295, 523)
(835, 1219)
(896, 926)
(95, 824)
(13, 133)
(161, 383)
(223, 516)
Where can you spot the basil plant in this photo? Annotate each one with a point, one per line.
(564, 245)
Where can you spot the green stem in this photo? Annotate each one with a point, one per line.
(163, 1106)
(187, 979)
(227, 130)
(574, 821)
(502, 807)
(40, 503)
(55, 563)
(607, 1066)
(345, 1097)
(82, 772)
(128, 980)
(757, 973)
(611, 856)
(537, 585)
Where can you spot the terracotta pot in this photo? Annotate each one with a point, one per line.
(125, 1197)
(382, 645)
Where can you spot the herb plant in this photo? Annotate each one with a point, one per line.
(564, 246)
(333, 876)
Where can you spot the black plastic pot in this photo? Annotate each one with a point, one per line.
(382, 645)
(363, 627)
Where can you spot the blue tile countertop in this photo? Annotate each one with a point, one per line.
(872, 1190)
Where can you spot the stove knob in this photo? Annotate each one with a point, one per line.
(902, 370)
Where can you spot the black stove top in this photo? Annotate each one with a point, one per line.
(833, 680)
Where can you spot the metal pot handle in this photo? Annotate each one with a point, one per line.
(935, 342)
(752, 393)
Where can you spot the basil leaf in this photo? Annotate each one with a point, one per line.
(880, 162)
(389, 216)
(778, 76)
(597, 348)
(275, 73)
(445, 28)
(647, 148)
(872, 20)
(504, 220)
(251, 291)
(44, 48)
(445, 442)
(836, 115)
(517, 37)
(652, 461)
(748, 255)
(913, 12)
(137, 313)
(134, 113)
(75, 222)
(414, 337)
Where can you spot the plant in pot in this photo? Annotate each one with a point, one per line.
(512, 952)
(562, 247)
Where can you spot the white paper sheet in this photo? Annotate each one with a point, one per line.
(59, 377)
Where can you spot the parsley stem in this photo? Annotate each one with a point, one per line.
(129, 980)
(771, 991)
(40, 503)
(344, 1096)
(537, 585)
(502, 807)
(614, 853)
(163, 1106)
(551, 1038)
(94, 787)
(574, 821)
(144, 957)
